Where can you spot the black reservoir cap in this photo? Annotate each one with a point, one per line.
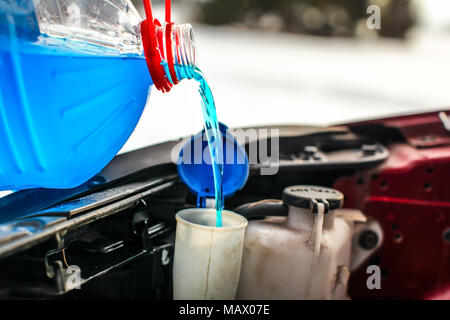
(308, 197)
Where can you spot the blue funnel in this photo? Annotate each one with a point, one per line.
(195, 169)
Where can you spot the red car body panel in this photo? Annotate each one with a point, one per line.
(409, 195)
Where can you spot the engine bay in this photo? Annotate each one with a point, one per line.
(116, 232)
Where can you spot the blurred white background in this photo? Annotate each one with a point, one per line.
(262, 77)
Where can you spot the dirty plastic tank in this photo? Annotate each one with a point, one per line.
(303, 256)
(74, 80)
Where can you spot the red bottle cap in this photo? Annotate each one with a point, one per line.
(154, 36)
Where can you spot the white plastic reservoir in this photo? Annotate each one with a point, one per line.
(207, 258)
(303, 256)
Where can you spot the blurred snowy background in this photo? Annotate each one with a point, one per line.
(265, 69)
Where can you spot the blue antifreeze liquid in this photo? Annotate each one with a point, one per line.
(212, 132)
(214, 140)
(64, 112)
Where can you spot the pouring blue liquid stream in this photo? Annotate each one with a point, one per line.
(211, 129)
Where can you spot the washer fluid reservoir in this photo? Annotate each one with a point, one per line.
(303, 256)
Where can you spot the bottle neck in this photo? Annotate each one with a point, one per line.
(170, 53)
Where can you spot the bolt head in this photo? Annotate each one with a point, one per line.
(368, 240)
